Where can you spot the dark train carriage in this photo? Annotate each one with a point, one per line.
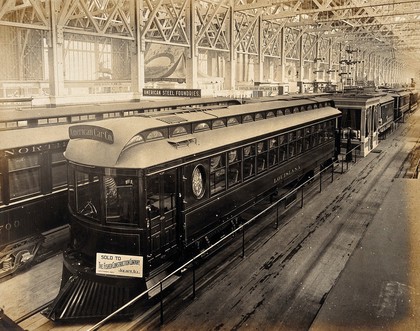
(33, 194)
(386, 115)
(360, 120)
(401, 104)
(145, 192)
(414, 95)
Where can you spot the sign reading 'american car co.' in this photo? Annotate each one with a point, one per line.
(91, 132)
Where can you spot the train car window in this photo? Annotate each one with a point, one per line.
(232, 121)
(137, 139)
(24, 175)
(233, 156)
(58, 170)
(153, 196)
(272, 143)
(234, 170)
(168, 190)
(351, 118)
(292, 136)
(307, 139)
(295, 110)
(247, 118)
(299, 141)
(217, 174)
(280, 112)
(259, 117)
(282, 148)
(331, 130)
(288, 111)
(88, 193)
(119, 199)
(262, 156)
(316, 106)
(273, 152)
(292, 144)
(179, 131)
(325, 131)
(309, 107)
(218, 124)
(234, 174)
(270, 114)
(249, 161)
(154, 135)
(201, 127)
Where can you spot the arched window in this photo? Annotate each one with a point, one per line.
(258, 117)
(201, 127)
(154, 135)
(137, 139)
(218, 124)
(232, 121)
(270, 114)
(247, 118)
(179, 130)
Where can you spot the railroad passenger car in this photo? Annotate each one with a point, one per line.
(33, 195)
(360, 121)
(146, 192)
(386, 115)
(401, 103)
(414, 95)
(36, 117)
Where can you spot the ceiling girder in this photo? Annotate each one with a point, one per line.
(387, 24)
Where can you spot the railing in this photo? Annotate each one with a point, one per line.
(416, 171)
(241, 228)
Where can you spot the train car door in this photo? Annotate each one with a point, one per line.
(161, 212)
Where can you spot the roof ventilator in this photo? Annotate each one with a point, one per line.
(182, 141)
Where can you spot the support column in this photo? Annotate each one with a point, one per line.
(259, 66)
(138, 49)
(282, 67)
(55, 55)
(230, 64)
(301, 66)
(192, 51)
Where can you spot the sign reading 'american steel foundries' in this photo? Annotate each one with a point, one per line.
(182, 93)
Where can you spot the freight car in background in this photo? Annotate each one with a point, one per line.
(151, 190)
